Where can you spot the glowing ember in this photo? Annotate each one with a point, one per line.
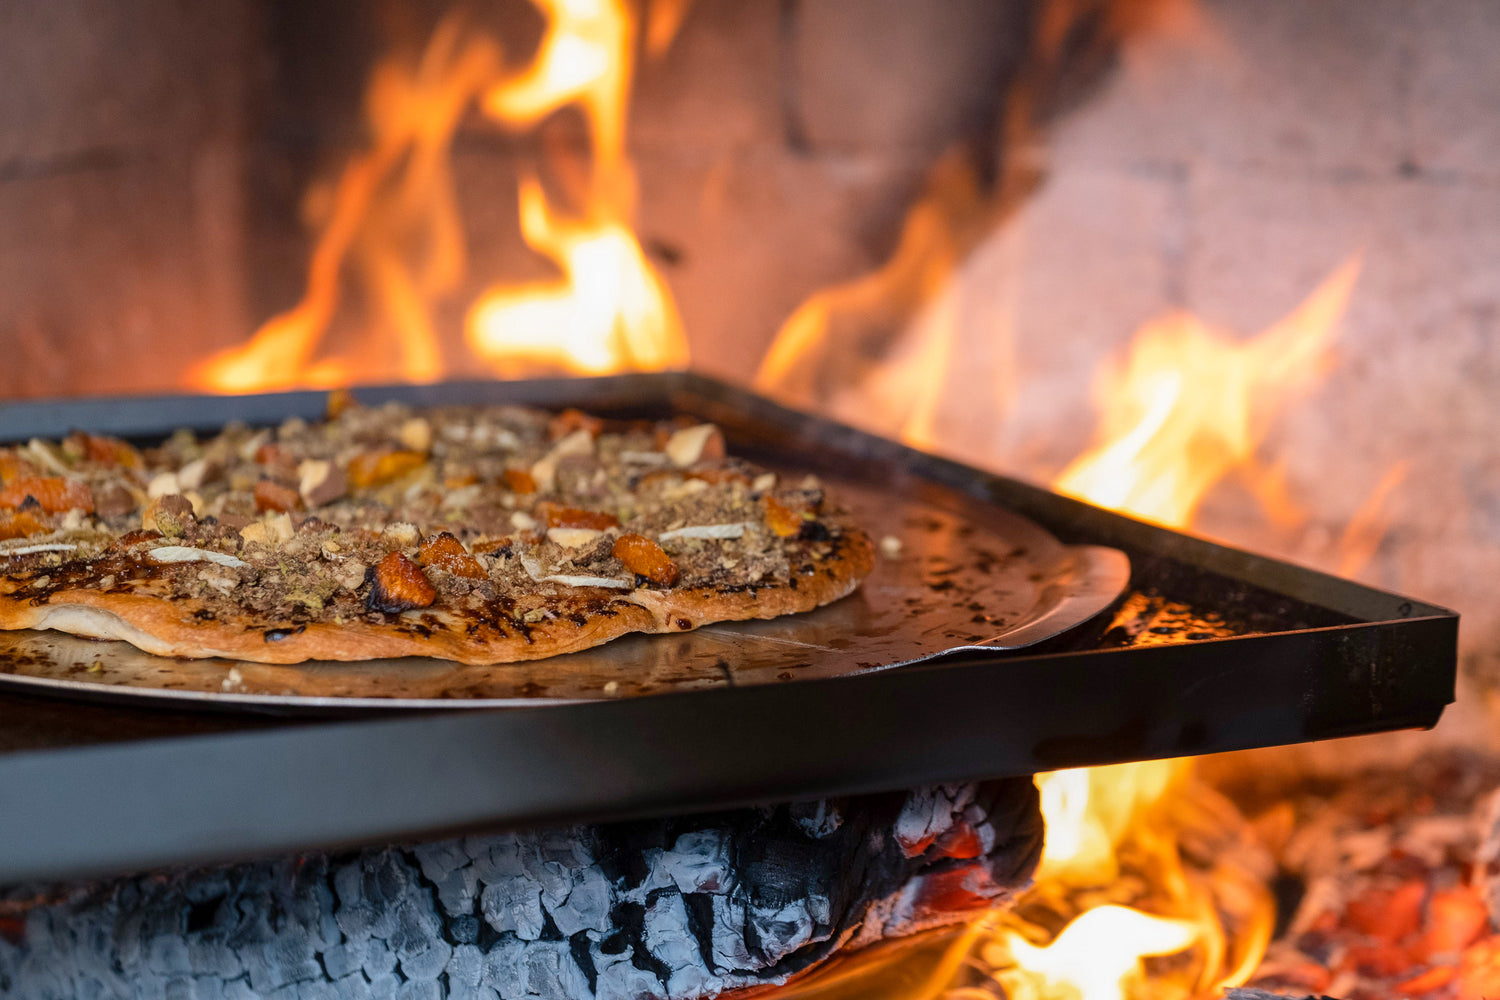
(390, 250)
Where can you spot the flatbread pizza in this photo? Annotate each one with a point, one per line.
(483, 535)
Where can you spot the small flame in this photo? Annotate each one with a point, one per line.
(1191, 404)
(392, 236)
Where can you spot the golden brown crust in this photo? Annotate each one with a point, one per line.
(358, 581)
(587, 618)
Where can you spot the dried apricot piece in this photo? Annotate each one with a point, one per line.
(644, 557)
(53, 493)
(11, 465)
(109, 450)
(271, 495)
(398, 584)
(557, 516)
(444, 552)
(519, 481)
(571, 420)
(376, 468)
(780, 518)
(21, 524)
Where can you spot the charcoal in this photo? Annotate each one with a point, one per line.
(673, 909)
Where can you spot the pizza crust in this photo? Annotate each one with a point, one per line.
(176, 627)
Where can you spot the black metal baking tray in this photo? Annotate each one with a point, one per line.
(1210, 649)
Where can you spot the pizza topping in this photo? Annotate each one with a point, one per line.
(320, 482)
(416, 434)
(20, 524)
(43, 454)
(193, 475)
(519, 481)
(271, 532)
(571, 420)
(644, 557)
(398, 584)
(692, 444)
(780, 518)
(544, 470)
(26, 550)
(54, 494)
(447, 553)
(377, 468)
(109, 450)
(168, 514)
(402, 534)
(572, 538)
(558, 516)
(736, 530)
(273, 496)
(587, 581)
(186, 553)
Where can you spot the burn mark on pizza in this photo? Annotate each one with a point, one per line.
(578, 618)
(684, 624)
(278, 634)
(814, 531)
(204, 615)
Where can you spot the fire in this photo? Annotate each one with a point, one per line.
(391, 250)
(1190, 405)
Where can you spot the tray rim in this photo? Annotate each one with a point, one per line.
(188, 799)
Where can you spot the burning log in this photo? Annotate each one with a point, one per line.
(676, 908)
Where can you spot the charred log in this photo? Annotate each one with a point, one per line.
(677, 908)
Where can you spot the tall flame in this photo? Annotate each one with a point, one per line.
(609, 309)
(393, 228)
(1190, 405)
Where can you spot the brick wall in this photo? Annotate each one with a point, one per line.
(120, 190)
(1233, 160)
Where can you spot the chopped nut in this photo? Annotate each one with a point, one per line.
(444, 552)
(416, 434)
(163, 484)
(890, 547)
(253, 444)
(572, 538)
(691, 444)
(53, 494)
(398, 584)
(192, 475)
(351, 575)
(544, 470)
(168, 514)
(401, 533)
(112, 451)
(522, 521)
(764, 481)
(273, 496)
(321, 482)
(645, 558)
(271, 532)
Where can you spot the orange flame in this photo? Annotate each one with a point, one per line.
(1190, 405)
(609, 310)
(394, 233)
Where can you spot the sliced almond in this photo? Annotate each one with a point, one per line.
(736, 530)
(764, 481)
(192, 475)
(522, 521)
(588, 581)
(187, 553)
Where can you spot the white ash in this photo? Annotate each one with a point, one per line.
(672, 909)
